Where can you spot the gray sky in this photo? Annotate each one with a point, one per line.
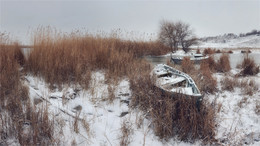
(206, 17)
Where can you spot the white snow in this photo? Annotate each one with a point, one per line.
(103, 118)
(225, 41)
(237, 120)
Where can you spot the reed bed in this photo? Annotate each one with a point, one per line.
(61, 58)
(68, 58)
(18, 118)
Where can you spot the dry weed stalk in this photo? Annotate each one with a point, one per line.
(111, 93)
(126, 132)
(257, 108)
(228, 84)
(86, 126)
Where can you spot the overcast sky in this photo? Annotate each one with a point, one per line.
(206, 17)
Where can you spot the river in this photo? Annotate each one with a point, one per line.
(234, 58)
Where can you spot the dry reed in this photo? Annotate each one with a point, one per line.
(68, 58)
(18, 118)
(173, 115)
(187, 65)
(249, 67)
(223, 64)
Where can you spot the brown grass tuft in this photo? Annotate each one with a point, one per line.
(218, 51)
(249, 87)
(205, 80)
(249, 67)
(229, 84)
(245, 51)
(198, 51)
(212, 64)
(208, 51)
(230, 51)
(187, 65)
(223, 64)
(126, 132)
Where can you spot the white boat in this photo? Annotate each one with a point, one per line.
(196, 58)
(174, 81)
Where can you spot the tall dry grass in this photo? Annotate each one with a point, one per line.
(208, 51)
(126, 131)
(173, 115)
(211, 63)
(18, 119)
(249, 67)
(223, 64)
(206, 82)
(187, 65)
(68, 58)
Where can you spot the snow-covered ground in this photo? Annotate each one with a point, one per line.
(238, 119)
(90, 106)
(100, 122)
(226, 41)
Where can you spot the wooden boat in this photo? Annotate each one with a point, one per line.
(196, 58)
(174, 81)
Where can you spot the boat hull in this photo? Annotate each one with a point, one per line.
(174, 82)
(194, 60)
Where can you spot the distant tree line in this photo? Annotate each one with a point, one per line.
(253, 32)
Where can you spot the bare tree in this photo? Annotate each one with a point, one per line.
(168, 34)
(176, 34)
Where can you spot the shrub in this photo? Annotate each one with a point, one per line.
(249, 67)
(212, 64)
(223, 64)
(187, 65)
(228, 84)
(208, 51)
(198, 51)
(208, 83)
(204, 79)
(218, 51)
(249, 87)
(243, 51)
(230, 51)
